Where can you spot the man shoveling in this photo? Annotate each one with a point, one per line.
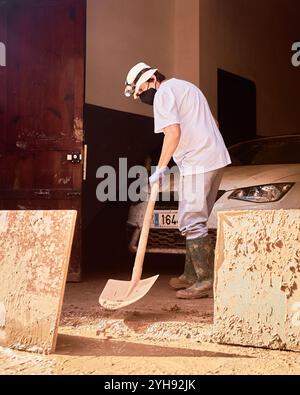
(192, 138)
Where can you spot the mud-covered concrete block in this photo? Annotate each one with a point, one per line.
(35, 250)
(257, 279)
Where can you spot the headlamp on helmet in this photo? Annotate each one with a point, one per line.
(137, 75)
(129, 89)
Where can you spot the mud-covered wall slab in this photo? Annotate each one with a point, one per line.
(257, 279)
(35, 250)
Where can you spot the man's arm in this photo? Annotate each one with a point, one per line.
(171, 141)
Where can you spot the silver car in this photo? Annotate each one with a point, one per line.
(264, 175)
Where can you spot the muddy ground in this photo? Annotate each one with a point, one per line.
(157, 335)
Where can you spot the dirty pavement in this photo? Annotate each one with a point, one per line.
(157, 335)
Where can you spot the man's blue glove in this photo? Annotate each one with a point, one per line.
(157, 175)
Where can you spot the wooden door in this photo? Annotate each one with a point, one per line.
(41, 108)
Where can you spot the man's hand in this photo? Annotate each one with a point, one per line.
(157, 175)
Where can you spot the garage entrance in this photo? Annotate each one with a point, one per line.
(236, 107)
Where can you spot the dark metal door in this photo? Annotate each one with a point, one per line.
(41, 108)
(236, 107)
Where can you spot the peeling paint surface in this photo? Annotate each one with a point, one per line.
(257, 279)
(65, 180)
(34, 256)
(21, 145)
(78, 129)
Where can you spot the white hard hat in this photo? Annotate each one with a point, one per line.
(136, 76)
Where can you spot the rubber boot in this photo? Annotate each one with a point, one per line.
(189, 275)
(201, 252)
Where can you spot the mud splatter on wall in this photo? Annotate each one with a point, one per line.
(35, 250)
(257, 279)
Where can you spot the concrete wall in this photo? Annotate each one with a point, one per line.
(187, 40)
(120, 33)
(253, 38)
(257, 278)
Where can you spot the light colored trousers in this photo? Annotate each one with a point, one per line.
(197, 195)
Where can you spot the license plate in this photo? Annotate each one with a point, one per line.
(165, 219)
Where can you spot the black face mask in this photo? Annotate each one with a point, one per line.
(147, 97)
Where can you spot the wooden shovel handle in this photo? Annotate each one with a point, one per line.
(139, 258)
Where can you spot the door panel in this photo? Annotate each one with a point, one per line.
(39, 169)
(41, 108)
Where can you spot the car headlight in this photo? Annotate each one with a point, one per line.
(262, 193)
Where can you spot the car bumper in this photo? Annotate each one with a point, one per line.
(170, 241)
(161, 241)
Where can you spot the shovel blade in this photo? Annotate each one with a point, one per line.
(114, 295)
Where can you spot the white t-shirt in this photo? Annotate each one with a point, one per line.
(201, 147)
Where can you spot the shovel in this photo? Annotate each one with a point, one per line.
(117, 294)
